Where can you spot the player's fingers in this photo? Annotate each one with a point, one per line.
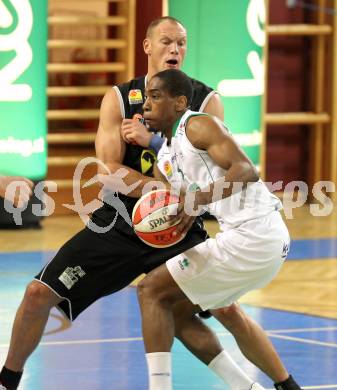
(130, 138)
(181, 212)
(126, 127)
(187, 227)
(184, 225)
(125, 135)
(126, 122)
(124, 138)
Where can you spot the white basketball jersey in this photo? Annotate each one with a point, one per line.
(192, 169)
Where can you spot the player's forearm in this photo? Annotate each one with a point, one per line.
(236, 180)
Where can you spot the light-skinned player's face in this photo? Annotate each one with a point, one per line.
(160, 109)
(166, 47)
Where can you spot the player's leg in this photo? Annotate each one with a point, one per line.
(29, 323)
(204, 344)
(165, 311)
(252, 341)
(267, 242)
(255, 344)
(86, 268)
(157, 294)
(31, 318)
(28, 327)
(197, 337)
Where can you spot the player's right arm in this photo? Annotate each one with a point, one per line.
(110, 149)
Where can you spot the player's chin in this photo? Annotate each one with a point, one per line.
(150, 122)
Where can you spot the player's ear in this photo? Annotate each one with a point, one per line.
(147, 46)
(181, 103)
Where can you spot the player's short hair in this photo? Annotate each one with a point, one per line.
(160, 20)
(176, 83)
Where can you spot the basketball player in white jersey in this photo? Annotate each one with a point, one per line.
(202, 158)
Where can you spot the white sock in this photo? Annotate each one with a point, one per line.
(159, 368)
(225, 367)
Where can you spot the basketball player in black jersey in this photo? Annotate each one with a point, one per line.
(92, 265)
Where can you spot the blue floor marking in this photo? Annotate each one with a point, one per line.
(313, 249)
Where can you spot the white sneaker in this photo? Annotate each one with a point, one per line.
(257, 386)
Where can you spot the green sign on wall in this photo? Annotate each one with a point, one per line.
(225, 47)
(23, 79)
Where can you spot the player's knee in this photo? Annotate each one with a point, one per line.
(232, 317)
(148, 289)
(38, 297)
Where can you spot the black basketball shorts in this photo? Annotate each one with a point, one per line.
(91, 265)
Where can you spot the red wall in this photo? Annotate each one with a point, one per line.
(288, 83)
(146, 11)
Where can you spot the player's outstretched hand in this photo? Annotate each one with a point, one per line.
(133, 131)
(16, 189)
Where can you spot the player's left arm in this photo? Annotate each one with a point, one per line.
(227, 154)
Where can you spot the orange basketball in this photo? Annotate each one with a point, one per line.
(150, 219)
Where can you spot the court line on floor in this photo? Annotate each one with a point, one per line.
(129, 339)
(272, 333)
(320, 387)
(315, 387)
(93, 341)
(299, 330)
(302, 340)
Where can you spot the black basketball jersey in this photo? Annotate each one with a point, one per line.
(131, 99)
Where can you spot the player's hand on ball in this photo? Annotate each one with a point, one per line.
(186, 218)
(133, 131)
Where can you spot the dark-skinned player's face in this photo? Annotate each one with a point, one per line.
(160, 110)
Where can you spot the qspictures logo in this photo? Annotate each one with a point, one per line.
(112, 184)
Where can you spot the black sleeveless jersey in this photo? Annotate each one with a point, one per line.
(131, 98)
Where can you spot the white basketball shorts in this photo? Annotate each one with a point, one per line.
(220, 270)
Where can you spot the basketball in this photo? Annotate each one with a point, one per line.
(150, 218)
